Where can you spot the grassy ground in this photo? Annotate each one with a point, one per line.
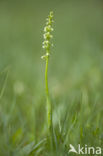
(75, 77)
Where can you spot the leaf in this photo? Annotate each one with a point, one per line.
(38, 144)
(3, 80)
(31, 147)
(27, 149)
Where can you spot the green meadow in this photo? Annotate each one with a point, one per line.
(75, 77)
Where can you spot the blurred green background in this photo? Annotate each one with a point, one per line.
(75, 70)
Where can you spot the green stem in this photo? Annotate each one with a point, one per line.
(46, 77)
(49, 106)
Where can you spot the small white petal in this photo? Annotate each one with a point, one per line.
(42, 57)
(47, 54)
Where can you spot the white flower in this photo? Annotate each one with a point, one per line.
(47, 35)
(48, 28)
(44, 56)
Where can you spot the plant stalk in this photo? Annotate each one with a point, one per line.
(49, 105)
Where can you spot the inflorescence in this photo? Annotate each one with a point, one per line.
(47, 35)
